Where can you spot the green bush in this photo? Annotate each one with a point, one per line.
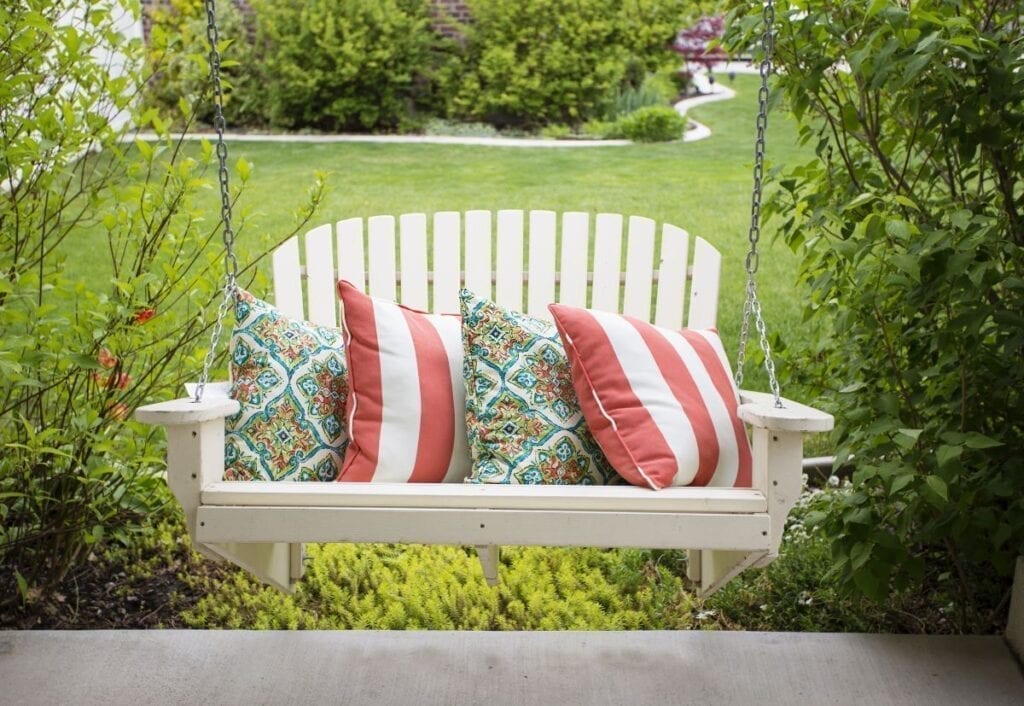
(442, 588)
(354, 65)
(625, 99)
(80, 354)
(913, 241)
(537, 62)
(178, 66)
(653, 123)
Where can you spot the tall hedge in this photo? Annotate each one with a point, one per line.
(342, 66)
(535, 62)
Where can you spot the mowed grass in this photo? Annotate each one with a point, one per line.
(703, 187)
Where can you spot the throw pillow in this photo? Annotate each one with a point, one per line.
(661, 403)
(406, 408)
(290, 378)
(523, 419)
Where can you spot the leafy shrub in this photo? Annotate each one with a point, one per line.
(80, 354)
(915, 271)
(537, 62)
(654, 123)
(178, 66)
(442, 588)
(354, 65)
(626, 98)
(439, 126)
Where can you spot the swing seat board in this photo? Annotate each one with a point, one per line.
(479, 496)
(652, 530)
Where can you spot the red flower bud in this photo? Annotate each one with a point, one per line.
(106, 358)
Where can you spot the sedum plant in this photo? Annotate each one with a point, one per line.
(110, 255)
(911, 228)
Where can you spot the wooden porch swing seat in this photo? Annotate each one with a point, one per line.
(261, 526)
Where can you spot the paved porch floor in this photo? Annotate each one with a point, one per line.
(706, 668)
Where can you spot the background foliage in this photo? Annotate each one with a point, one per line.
(354, 65)
(537, 62)
(911, 230)
(362, 65)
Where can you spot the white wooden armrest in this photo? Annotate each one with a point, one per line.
(758, 409)
(186, 411)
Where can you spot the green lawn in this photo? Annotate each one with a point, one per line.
(701, 186)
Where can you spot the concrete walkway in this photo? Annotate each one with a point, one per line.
(532, 669)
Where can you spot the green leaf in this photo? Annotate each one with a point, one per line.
(22, 585)
(938, 486)
(85, 362)
(900, 482)
(975, 440)
(144, 149)
(947, 453)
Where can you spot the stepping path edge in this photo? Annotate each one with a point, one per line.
(699, 131)
(248, 667)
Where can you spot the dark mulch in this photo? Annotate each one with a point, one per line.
(105, 595)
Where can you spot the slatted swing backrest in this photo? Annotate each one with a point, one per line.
(522, 259)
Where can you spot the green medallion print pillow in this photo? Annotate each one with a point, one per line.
(523, 420)
(291, 380)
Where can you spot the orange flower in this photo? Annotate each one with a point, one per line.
(144, 315)
(106, 358)
(118, 412)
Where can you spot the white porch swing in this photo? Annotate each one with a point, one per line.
(261, 526)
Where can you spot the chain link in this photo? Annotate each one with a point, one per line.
(230, 259)
(752, 304)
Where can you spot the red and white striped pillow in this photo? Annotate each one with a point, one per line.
(661, 403)
(407, 400)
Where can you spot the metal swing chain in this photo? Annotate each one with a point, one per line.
(230, 260)
(752, 304)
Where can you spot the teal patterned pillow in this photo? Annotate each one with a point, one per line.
(291, 380)
(522, 416)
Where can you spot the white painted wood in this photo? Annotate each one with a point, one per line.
(508, 286)
(693, 566)
(351, 252)
(288, 279)
(654, 530)
(381, 246)
(707, 269)
(270, 562)
(636, 297)
(186, 411)
(488, 554)
(617, 498)
(541, 287)
(321, 278)
(607, 262)
(195, 458)
(572, 289)
(447, 262)
(675, 246)
(297, 555)
(758, 409)
(718, 567)
(412, 243)
(778, 460)
(479, 271)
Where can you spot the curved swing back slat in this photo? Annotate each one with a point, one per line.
(539, 257)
